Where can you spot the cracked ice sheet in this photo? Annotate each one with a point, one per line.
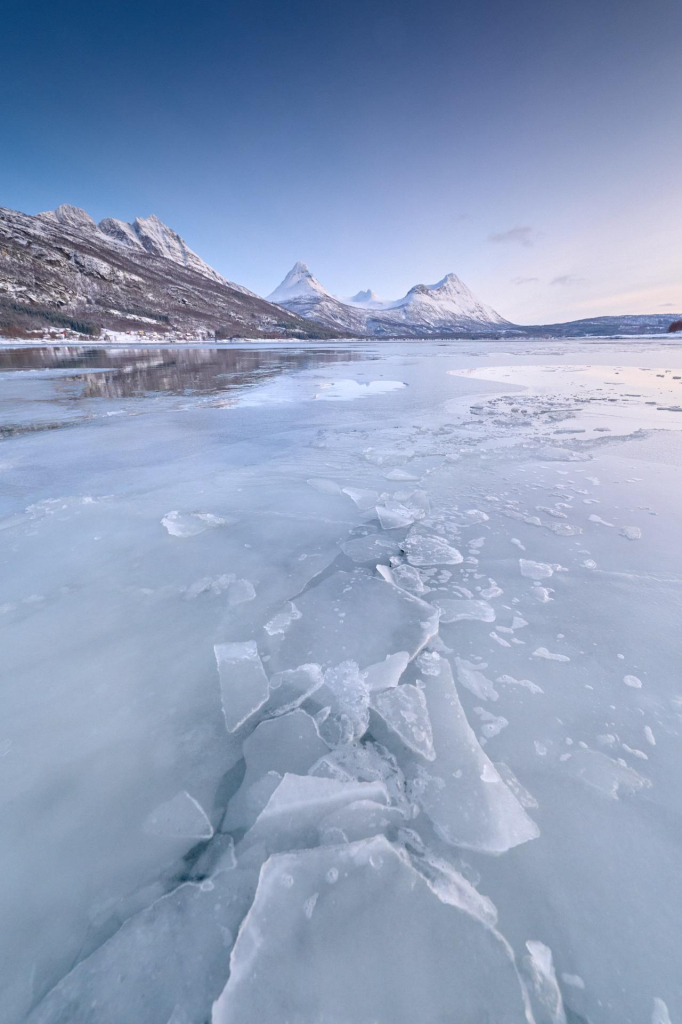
(171, 957)
(353, 616)
(355, 934)
(459, 789)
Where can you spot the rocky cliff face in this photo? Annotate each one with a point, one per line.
(61, 269)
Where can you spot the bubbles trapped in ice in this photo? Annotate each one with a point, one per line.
(491, 725)
(633, 681)
(526, 683)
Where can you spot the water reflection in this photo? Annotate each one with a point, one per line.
(129, 372)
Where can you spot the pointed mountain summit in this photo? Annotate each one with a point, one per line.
(299, 283)
(447, 307)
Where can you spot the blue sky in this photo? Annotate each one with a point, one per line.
(530, 146)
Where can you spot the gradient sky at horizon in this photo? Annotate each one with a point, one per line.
(533, 148)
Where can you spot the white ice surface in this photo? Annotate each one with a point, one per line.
(330, 640)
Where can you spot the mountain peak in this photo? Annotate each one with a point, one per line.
(365, 296)
(300, 283)
(69, 217)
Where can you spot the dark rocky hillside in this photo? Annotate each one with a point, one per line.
(61, 270)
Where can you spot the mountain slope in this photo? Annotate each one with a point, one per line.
(60, 268)
(447, 307)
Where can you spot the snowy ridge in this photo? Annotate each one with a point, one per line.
(145, 234)
(442, 308)
(59, 269)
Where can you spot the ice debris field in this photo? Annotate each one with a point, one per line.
(341, 685)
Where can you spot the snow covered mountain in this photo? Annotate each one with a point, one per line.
(145, 234)
(447, 307)
(63, 270)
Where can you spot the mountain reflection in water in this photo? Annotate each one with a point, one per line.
(129, 372)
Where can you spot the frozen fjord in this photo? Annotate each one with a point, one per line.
(361, 710)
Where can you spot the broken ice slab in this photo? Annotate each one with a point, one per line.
(603, 773)
(404, 576)
(355, 935)
(461, 791)
(364, 499)
(404, 711)
(290, 743)
(353, 616)
(539, 967)
(400, 475)
(360, 820)
(455, 610)
(535, 570)
(170, 958)
(387, 456)
(189, 524)
(289, 689)
(525, 798)
(244, 685)
(394, 516)
(364, 762)
(182, 817)
(291, 817)
(370, 548)
(343, 700)
(387, 672)
(283, 619)
(423, 549)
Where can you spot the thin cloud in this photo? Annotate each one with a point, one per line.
(524, 280)
(667, 305)
(568, 279)
(519, 236)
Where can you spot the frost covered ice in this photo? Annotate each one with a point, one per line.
(380, 723)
